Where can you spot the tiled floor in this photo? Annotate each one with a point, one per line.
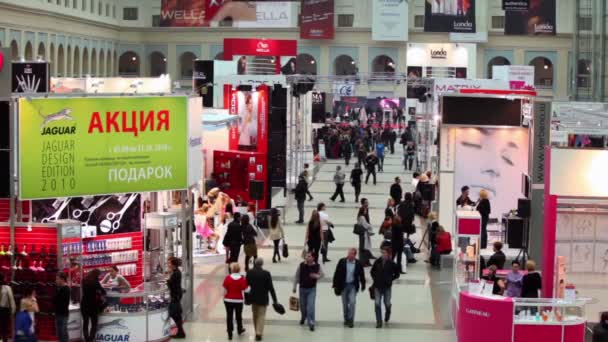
(420, 299)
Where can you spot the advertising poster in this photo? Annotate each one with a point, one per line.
(515, 5)
(196, 13)
(95, 146)
(449, 16)
(250, 132)
(318, 107)
(317, 19)
(390, 20)
(109, 214)
(30, 77)
(539, 19)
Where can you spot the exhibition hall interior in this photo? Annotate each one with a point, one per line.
(348, 170)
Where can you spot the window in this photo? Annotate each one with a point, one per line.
(156, 20)
(584, 23)
(543, 72)
(107, 10)
(114, 11)
(583, 77)
(129, 13)
(498, 22)
(344, 66)
(75, 4)
(419, 21)
(186, 62)
(345, 20)
(226, 22)
(92, 7)
(99, 8)
(84, 5)
(496, 61)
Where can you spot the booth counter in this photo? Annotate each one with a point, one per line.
(140, 315)
(517, 320)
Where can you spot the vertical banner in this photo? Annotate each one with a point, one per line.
(539, 19)
(317, 19)
(449, 16)
(390, 20)
(250, 132)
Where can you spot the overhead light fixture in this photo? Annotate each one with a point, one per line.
(134, 58)
(352, 62)
(312, 61)
(546, 67)
(165, 59)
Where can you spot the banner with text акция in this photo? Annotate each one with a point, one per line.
(92, 146)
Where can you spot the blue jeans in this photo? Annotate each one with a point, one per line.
(61, 328)
(349, 302)
(307, 304)
(382, 295)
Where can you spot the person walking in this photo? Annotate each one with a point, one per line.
(90, 305)
(307, 275)
(380, 147)
(355, 180)
(300, 195)
(396, 190)
(383, 272)
(234, 287)
(174, 284)
(339, 178)
(393, 140)
(349, 278)
(484, 209)
(7, 309)
(233, 240)
(249, 243)
(398, 241)
(61, 303)
(407, 213)
(409, 154)
(365, 241)
(347, 151)
(314, 235)
(361, 151)
(326, 226)
(275, 233)
(260, 282)
(370, 164)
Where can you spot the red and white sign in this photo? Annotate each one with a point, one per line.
(317, 19)
(259, 47)
(520, 77)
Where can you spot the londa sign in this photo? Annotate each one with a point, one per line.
(439, 54)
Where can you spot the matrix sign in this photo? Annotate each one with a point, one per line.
(91, 146)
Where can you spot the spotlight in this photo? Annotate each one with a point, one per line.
(312, 61)
(546, 67)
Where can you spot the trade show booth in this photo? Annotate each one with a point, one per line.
(111, 85)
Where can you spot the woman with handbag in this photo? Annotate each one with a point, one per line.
(275, 233)
(365, 241)
(92, 304)
(174, 283)
(249, 241)
(314, 235)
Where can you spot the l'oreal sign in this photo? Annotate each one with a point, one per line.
(439, 54)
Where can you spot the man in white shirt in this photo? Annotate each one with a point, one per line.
(325, 226)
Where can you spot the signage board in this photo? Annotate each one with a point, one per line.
(390, 20)
(449, 16)
(538, 19)
(91, 146)
(30, 77)
(317, 19)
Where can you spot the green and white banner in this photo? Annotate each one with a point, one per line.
(92, 146)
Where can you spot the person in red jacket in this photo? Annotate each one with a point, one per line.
(235, 285)
(443, 245)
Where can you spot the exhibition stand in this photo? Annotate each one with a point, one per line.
(92, 167)
(111, 85)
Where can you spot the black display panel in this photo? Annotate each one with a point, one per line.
(4, 125)
(30, 77)
(318, 107)
(481, 111)
(277, 138)
(203, 75)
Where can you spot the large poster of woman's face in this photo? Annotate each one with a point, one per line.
(539, 19)
(494, 160)
(248, 120)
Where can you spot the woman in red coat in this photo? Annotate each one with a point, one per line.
(235, 285)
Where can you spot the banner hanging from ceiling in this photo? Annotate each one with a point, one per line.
(317, 19)
(200, 13)
(95, 146)
(449, 16)
(390, 20)
(539, 19)
(515, 5)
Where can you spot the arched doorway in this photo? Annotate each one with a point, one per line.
(345, 65)
(158, 64)
(29, 52)
(496, 61)
(186, 65)
(42, 52)
(109, 71)
(128, 64)
(102, 63)
(51, 58)
(383, 64)
(543, 72)
(94, 62)
(306, 64)
(60, 61)
(85, 61)
(14, 50)
(76, 62)
(69, 65)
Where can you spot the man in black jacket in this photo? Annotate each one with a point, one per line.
(396, 190)
(370, 164)
(233, 240)
(300, 195)
(384, 272)
(349, 278)
(61, 302)
(260, 282)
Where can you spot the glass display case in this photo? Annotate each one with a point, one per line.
(549, 311)
(160, 243)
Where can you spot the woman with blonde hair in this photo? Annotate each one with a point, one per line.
(484, 209)
(532, 282)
